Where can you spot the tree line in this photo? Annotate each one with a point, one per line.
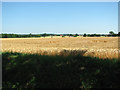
(111, 34)
(5, 35)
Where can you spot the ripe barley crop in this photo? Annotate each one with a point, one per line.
(102, 47)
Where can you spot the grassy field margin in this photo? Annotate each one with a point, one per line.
(41, 71)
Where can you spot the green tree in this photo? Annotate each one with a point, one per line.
(44, 35)
(76, 34)
(30, 35)
(5, 36)
(111, 33)
(118, 33)
(70, 35)
(84, 35)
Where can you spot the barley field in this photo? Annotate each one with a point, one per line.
(102, 47)
(60, 62)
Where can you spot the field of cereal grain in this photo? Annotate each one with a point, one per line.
(102, 47)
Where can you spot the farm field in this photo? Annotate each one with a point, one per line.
(61, 62)
(102, 47)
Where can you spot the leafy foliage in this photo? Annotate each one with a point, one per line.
(37, 71)
(5, 35)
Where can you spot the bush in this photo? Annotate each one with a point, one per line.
(37, 71)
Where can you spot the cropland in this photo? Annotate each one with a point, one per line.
(102, 47)
(60, 62)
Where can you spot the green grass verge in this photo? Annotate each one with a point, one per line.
(37, 71)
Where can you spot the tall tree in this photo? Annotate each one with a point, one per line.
(84, 35)
(111, 33)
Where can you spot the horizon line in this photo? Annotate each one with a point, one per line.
(56, 33)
